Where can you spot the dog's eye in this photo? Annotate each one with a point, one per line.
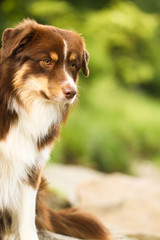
(73, 65)
(47, 61)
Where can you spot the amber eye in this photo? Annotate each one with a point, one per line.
(47, 61)
(73, 65)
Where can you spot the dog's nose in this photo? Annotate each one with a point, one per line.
(69, 92)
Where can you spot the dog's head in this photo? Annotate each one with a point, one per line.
(46, 61)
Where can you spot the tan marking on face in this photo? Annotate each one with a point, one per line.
(54, 56)
(32, 90)
(29, 89)
(17, 81)
(72, 57)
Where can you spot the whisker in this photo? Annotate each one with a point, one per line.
(81, 88)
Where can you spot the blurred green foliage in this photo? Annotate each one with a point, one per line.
(118, 117)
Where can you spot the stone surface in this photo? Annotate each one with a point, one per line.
(115, 236)
(45, 235)
(51, 236)
(66, 179)
(128, 205)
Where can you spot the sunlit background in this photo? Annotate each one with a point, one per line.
(116, 121)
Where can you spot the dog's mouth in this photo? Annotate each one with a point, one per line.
(62, 98)
(65, 95)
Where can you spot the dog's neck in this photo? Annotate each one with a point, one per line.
(39, 117)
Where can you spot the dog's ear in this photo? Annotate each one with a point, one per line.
(85, 63)
(14, 39)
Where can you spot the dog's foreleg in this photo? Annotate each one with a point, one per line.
(26, 215)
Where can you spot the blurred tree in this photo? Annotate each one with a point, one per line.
(124, 44)
(12, 12)
(148, 6)
(90, 4)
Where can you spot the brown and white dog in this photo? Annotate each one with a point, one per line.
(39, 68)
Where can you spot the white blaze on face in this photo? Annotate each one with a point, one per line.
(69, 79)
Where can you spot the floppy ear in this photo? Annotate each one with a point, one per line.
(15, 38)
(85, 63)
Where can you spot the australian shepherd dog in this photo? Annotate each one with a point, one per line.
(39, 68)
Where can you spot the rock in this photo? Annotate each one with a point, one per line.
(127, 205)
(45, 235)
(65, 179)
(147, 170)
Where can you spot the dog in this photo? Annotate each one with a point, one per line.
(39, 68)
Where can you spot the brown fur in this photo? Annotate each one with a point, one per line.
(5, 222)
(24, 49)
(34, 177)
(70, 222)
(6, 91)
(26, 44)
(53, 133)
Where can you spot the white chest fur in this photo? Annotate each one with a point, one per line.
(19, 150)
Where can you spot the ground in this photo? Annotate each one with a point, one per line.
(127, 205)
